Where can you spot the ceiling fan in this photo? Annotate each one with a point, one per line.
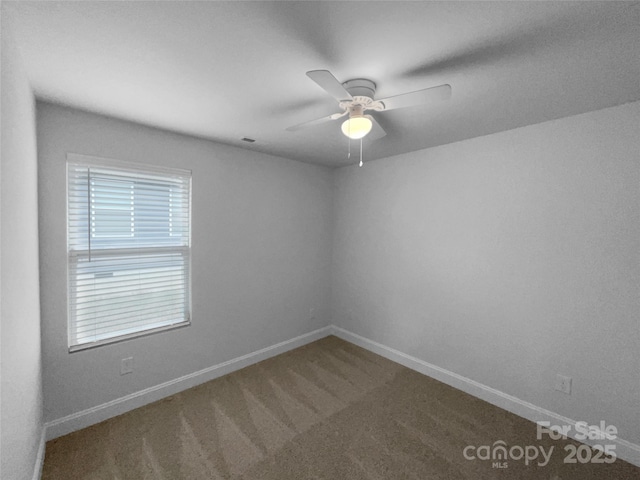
(357, 96)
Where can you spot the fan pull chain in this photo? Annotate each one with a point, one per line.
(349, 140)
(360, 164)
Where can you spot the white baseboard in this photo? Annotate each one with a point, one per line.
(625, 450)
(37, 470)
(91, 416)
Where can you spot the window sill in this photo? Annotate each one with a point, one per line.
(130, 336)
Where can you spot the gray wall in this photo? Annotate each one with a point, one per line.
(506, 259)
(261, 256)
(20, 310)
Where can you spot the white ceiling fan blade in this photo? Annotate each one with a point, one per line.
(329, 84)
(420, 97)
(376, 129)
(318, 121)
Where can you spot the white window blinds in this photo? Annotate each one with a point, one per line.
(128, 231)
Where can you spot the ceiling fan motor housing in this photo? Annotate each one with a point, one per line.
(360, 87)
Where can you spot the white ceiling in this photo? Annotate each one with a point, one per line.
(227, 70)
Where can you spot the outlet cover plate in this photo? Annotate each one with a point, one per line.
(126, 366)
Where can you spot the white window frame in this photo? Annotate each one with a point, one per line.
(73, 255)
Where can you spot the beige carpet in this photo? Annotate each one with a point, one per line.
(330, 411)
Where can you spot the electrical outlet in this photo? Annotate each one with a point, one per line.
(126, 365)
(312, 313)
(563, 384)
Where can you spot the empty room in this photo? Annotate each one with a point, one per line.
(282, 240)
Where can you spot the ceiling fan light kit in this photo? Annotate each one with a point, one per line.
(357, 126)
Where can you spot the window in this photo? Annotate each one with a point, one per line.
(129, 250)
